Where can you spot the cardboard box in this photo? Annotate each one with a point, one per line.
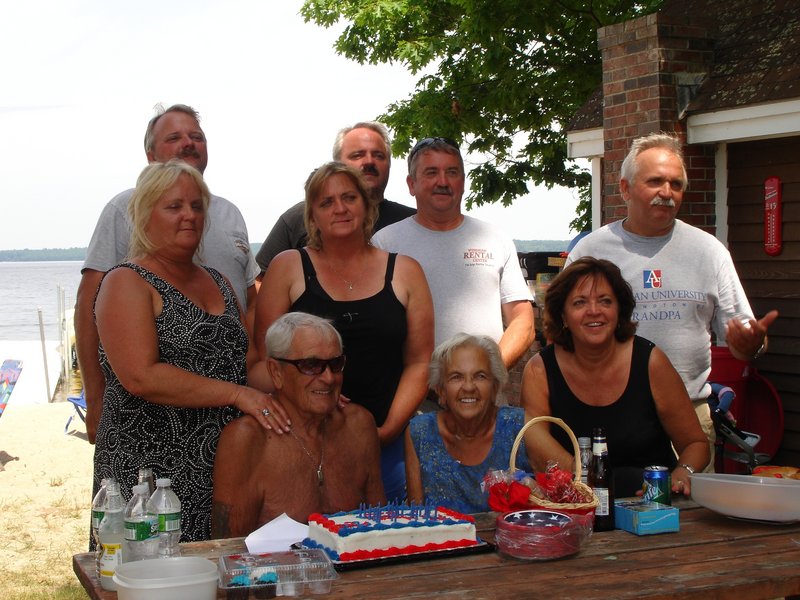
(645, 518)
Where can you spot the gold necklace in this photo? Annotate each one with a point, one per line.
(349, 283)
(310, 457)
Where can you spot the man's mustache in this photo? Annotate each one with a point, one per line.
(659, 201)
(190, 152)
(370, 170)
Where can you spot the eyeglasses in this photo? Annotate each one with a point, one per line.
(315, 366)
(430, 141)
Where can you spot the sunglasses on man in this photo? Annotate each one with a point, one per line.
(428, 142)
(315, 366)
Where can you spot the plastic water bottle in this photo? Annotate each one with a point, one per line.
(141, 528)
(146, 476)
(166, 506)
(98, 510)
(112, 537)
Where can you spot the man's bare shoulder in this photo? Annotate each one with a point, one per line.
(243, 431)
(356, 416)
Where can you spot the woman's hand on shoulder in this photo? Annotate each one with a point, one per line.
(264, 408)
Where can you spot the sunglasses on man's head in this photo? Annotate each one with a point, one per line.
(315, 366)
(430, 141)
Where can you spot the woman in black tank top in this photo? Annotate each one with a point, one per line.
(379, 303)
(597, 373)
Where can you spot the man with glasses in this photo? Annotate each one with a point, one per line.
(329, 460)
(471, 266)
(364, 146)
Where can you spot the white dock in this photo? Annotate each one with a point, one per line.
(31, 387)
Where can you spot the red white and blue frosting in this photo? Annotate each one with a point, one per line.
(391, 530)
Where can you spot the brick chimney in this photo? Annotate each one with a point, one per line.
(651, 66)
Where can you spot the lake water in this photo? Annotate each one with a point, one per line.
(27, 286)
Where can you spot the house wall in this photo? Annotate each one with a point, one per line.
(648, 64)
(770, 282)
(649, 67)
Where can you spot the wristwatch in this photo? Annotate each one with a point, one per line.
(761, 351)
(687, 467)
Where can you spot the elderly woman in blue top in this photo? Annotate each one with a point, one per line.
(448, 452)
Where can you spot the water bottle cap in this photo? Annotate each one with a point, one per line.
(163, 482)
(585, 442)
(112, 487)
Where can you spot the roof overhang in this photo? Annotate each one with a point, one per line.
(776, 119)
(762, 121)
(586, 143)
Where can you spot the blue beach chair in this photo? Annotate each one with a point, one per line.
(79, 403)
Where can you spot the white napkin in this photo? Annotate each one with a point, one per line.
(277, 535)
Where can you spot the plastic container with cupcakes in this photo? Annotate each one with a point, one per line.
(546, 529)
(271, 574)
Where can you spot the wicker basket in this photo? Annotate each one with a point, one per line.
(592, 501)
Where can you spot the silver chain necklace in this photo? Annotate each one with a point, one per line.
(311, 457)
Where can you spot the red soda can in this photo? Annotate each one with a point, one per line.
(657, 485)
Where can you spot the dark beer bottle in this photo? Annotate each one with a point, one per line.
(601, 481)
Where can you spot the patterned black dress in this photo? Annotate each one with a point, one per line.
(179, 443)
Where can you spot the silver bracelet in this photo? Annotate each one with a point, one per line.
(687, 467)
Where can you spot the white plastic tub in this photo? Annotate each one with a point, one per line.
(167, 579)
(748, 496)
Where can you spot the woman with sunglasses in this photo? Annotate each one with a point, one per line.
(173, 349)
(379, 302)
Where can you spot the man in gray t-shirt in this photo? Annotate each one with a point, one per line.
(683, 278)
(471, 267)
(172, 133)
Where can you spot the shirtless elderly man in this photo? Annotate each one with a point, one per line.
(329, 461)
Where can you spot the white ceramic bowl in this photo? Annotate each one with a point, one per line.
(748, 496)
(177, 578)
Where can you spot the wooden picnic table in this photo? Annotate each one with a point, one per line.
(710, 557)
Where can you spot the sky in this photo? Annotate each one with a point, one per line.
(81, 77)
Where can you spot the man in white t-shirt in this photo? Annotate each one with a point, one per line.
(172, 133)
(471, 267)
(683, 278)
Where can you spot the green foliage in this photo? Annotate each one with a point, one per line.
(503, 77)
(583, 222)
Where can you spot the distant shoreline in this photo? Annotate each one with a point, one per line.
(79, 254)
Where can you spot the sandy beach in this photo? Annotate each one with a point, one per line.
(45, 478)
